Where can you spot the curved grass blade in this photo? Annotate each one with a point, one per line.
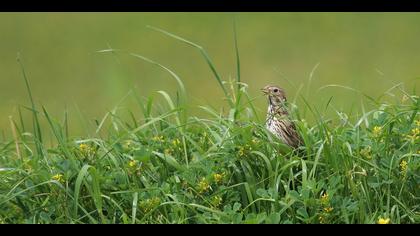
(82, 173)
(175, 76)
(205, 55)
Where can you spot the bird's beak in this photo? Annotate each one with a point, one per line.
(264, 90)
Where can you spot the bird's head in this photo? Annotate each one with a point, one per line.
(276, 95)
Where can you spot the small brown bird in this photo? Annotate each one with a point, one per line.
(278, 120)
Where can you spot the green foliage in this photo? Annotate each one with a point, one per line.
(168, 167)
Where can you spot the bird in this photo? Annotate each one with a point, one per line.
(278, 120)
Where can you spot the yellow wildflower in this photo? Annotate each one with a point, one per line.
(218, 177)
(417, 123)
(328, 209)
(58, 177)
(83, 147)
(241, 152)
(415, 131)
(366, 152)
(132, 163)
(86, 149)
(415, 134)
(216, 201)
(403, 165)
(324, 198)
(377, 130)
(203, 186)
(158, 138)
(176, 142)
(383, 221)
(168, 151)
(149, 204)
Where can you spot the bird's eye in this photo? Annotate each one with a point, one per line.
(275, 90)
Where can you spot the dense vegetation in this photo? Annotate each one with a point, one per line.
(168, 166)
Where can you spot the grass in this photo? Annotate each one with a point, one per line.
(170, 167)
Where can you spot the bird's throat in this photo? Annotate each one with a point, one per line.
(276, 110)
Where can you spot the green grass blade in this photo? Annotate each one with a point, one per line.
(82, 173)
(37, 127)
(205, 55)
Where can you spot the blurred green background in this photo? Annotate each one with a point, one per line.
(366, 51)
